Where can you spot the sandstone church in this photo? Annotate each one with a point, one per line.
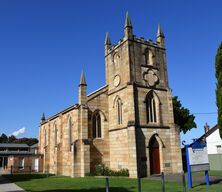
(126, 124)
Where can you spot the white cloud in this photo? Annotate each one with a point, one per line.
(18, 132)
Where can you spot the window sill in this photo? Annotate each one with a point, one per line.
(152, 125)
(21, 168)
(97, 139)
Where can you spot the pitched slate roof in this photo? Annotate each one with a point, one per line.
(13, 145)
(6, 153)
(34, 146)
(201, 139)
(208, 133)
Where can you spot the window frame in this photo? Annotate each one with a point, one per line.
(152, 108)
(21, 164)
(55, 135)
(119, 111)
(96, 126)
(70, 128)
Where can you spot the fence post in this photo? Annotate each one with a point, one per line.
(184, 181)
(139, 184)
(11, 169)
(107, 184)
(163, 182)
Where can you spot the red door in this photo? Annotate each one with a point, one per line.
(154, 156)
(154, 161)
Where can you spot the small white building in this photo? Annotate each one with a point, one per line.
(214, 142)
(214, 147)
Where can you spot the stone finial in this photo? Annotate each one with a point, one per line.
(128, 28)
(160, 37)
(43, 117)
(160, 31)
(82, 79)
(127, 21)
(107, 39)
(82, 90)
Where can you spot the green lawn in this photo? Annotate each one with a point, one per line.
(212, 173)
(90, 184)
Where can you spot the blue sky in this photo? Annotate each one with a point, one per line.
(45, 44)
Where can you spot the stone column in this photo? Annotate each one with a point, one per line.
(132, 152)
(176, 150)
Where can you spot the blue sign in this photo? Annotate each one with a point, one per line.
(197, 160)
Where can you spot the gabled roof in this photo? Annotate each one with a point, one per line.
(89, 96)
(201, 139)
(13, 145)
(208, 133)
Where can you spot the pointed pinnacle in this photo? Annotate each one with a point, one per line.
(127, 21)
(107, 39)
(43, 117)
(159, 31)
(82, 79)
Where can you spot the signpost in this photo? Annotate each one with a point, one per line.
(197, 160)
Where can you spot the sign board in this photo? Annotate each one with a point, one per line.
(198, 168)
(197, 160)
(198, 155)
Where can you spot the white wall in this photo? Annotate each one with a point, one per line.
(212, 141)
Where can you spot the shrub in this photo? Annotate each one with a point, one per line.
(102, 170)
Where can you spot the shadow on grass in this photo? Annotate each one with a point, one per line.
(25, 177)
(214, 181)
(111, 189)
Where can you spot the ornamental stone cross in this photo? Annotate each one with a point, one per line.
(151, 78)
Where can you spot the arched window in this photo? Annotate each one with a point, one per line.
(151, 108)
(70, 132)
(116, 60)
(55, 134)
(44, 136)
(149, 56)
(119, 111)
(96, 125)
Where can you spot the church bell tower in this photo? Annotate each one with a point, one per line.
(139, 95)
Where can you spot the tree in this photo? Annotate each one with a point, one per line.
(182, 116)
(218, 66)
(3, 138)
(11, 138)
(28, 141)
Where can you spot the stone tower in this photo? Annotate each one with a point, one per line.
(141, 120)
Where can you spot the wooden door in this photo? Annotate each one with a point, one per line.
(154, 161)
(154, 156)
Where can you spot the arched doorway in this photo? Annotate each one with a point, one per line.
(154, 154)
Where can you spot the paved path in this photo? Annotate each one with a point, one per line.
(7, 186)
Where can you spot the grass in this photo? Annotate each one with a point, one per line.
(38, 182)
(211, 173)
